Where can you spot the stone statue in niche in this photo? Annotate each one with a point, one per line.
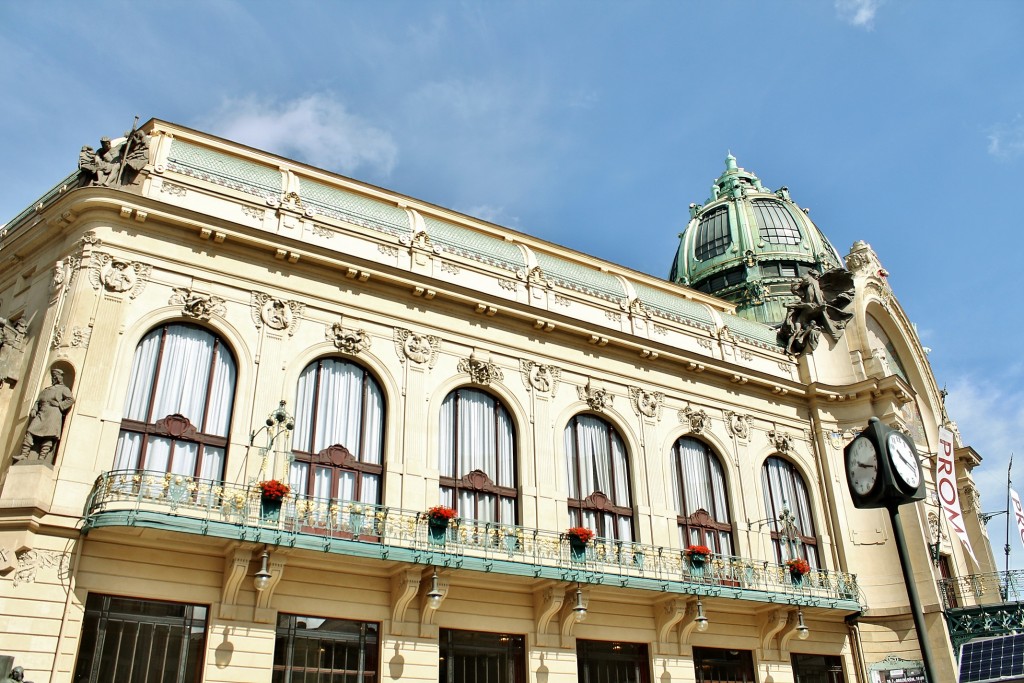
(17, 675)
(823, 306)
(45, 421)
(115, 162)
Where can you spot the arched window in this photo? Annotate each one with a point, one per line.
(338, 440)
(788, 511)
(701, 499)
(598, 469)
(478, 457)
(178, 410)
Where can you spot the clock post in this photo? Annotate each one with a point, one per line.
(883, 469)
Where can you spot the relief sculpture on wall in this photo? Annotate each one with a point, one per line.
(45, 421)
(823, 305)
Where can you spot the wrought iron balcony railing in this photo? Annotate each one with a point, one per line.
(982, 589)
(164, 500)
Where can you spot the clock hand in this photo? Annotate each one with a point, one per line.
(860, 464)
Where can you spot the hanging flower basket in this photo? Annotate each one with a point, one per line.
(272, 489)
(578, 538)
(438, 519)
(697, 554)
(797, 568)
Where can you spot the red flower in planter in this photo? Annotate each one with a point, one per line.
(798, 566)
(697, 550)
(272, 489)
(441, 514)
(582, 533)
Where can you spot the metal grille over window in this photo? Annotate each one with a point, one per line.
(776, 224)
(323, 649)
(141, 640)
(484, 657)
(713, 236)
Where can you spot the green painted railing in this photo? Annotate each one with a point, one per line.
(982, 589)
(216, 508)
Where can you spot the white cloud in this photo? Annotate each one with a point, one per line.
(1006, 140)
(860, 13)
(491, 214)
(316, 129)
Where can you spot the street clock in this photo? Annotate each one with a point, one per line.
(883, 468)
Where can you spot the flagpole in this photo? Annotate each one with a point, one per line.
(1006, 548)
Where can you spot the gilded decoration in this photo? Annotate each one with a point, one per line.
(598, 398)
(276, 314)
(480, 371)
(114, 275)
(196, 305)
(348, 341)
(738, 424)
(419, 348)
(646, 403)
(541, 378)
(697, 420)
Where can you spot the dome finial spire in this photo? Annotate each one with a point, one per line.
(730, 162)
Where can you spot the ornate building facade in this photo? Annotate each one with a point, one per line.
(260, 422)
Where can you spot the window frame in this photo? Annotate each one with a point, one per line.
(808, 547)
(705, 522)
(176, 427)
(369, 653)
(477, 482)
(598, 501)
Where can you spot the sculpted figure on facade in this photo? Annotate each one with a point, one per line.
(115, 275)
(823, 306)
(541, 378)
(348, 341)
(46, 420)
(598, 398)
(480, 372)
(697, 420)
(419, 348)
(276, 314)
(12, 339)
(646, 403)
(196, 305)
(114, 163)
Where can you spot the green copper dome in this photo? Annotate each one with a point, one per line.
(748, 245)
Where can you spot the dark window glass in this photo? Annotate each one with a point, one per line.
(177, 413)
(473, 657)
(713, 236)
(318, 649)
(478, 457)
(598, 469)
(701, 499)
(788, 512)
(715, 665)
(817, 669)
(947, 585)
(339, 433)
(776, 224)
(142, 641)
(599, 661)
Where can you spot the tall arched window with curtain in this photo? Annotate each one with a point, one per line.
(701, 498)
(177, 413)
(788, 511)
(338, 441)
(599, 485)
(478, 457)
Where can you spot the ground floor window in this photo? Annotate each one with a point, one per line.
(142, 641)
(716, 665)
(817, 669)
(315, 649)
(600, 661)
(474, 657)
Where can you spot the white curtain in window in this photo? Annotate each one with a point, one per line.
(298, 478)
(483, 440)
(783, 487)
(129, 446)
(703, 485)
(183, 375)
(593, 452)
(333, 399)
(222, 394)
(136, 404)
(302, 435)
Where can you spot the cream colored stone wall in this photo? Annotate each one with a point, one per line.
(187, 233)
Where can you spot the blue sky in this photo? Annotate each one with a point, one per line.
(594, 125)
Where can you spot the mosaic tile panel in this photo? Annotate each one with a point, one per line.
(353, 208)
(475, 245)
(581, 278)
(674, 307)
(754, 332)
(222, 169)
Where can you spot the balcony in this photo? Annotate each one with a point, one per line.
(983, 605)
(179, 503)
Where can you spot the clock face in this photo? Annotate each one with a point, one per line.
(862, 466)
(904, 460)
